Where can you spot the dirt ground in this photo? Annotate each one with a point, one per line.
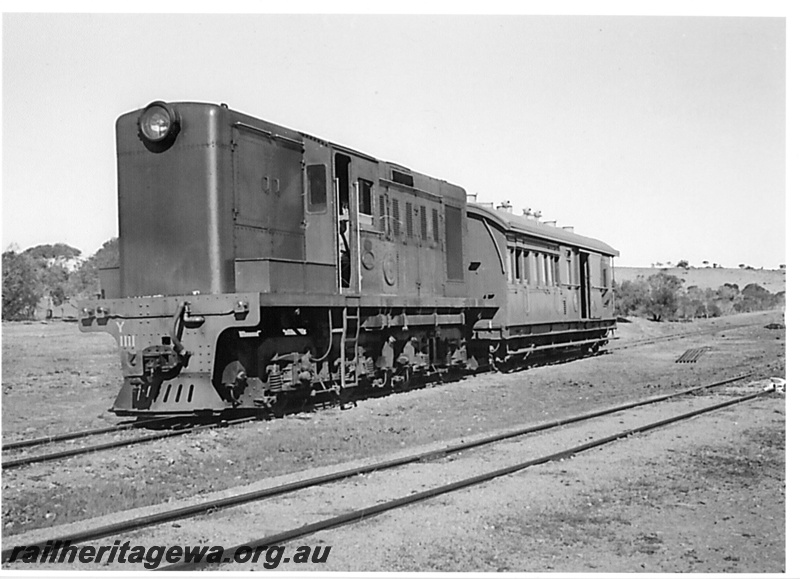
(56, 379)
(668, 501)
(706, 496)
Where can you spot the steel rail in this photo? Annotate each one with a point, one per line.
(669, 337)
(17, 462)
(226, 502)
(360, 514)
(81, 433)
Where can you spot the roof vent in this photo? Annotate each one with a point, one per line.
(551, 223)
(530, 214)
(568, 228)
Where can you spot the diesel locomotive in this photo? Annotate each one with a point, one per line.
(259, 264)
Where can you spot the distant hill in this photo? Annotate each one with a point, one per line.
(772, 280)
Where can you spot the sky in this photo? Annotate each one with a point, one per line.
(664, 136)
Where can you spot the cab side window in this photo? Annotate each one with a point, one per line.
(317, 190)
(364, 197)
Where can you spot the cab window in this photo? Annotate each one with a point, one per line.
(364, 197)
(317, 190)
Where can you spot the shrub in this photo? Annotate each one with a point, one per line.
(21, 290)
(84, 281)
(631, 297)
(655, 297)
(662, 302)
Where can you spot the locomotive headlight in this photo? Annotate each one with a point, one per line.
(155, 123)
(159, 124)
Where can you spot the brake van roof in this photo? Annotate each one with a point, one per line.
(509, 222)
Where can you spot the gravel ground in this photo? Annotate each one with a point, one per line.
(604, 511)
(572, 539)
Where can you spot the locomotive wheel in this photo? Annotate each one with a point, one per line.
(383, 380)
(302, 395)
(281, 404)
(403, 379)
(504, 366)
(347, 395)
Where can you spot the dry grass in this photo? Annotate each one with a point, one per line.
(633, 520)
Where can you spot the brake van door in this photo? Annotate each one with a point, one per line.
(586, 284)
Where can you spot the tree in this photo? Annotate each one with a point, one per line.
(692, 304)
(84, 281)
(630, 297)
(656, 297)
(725, 298)
(53, 271)
(728, 291)
(664, 290)
(756, 298)
(53, 266)
(60, 253)
(20, 286)
(108, 255)
(683, 263)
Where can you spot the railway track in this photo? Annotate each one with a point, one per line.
(19, 444)
(178, 430)
(671, 337)
(202, 507)
(357, 515)
(71, 452)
